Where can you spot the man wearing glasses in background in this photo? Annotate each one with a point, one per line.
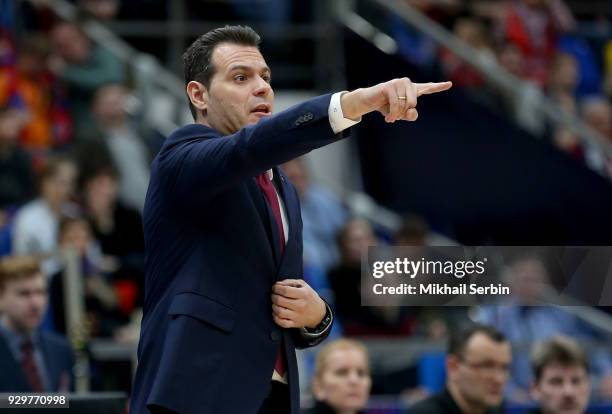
(477, 370)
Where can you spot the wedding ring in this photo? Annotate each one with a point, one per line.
(402, 98)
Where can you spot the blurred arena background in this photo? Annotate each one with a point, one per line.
(519, 152)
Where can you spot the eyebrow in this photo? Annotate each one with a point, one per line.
(248, 68)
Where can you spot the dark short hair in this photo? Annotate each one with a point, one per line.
(106, 168)
(67, 221)
(459, 339)
(413, 228)
(197, 59)
(558, 349)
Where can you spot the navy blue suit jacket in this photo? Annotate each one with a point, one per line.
(58, 359)
(208, 341)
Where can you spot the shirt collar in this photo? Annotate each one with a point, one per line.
(16, 339)
(270, 174)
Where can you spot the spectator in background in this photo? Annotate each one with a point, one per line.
(84, 68)
(31, 360)
(345, 277)
(29, 86)
(323, 216)
(477, 370)
(597, 113)
(125, 144)
(562, 82)
(118, 230)
(36, 223)
(561, 88)
(524, 323)
(345, 280)
(533, 26)
(561, 378)
(432, 322)
(342, 381)
(101, 302)
(473, 32)
(16, 175)
(510, 58)
(413, 231)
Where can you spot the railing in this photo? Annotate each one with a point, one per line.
(532, 108)
(151, 78)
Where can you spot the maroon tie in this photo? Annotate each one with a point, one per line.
(266, 186)
(28, 364)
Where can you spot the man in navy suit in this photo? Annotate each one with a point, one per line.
(30, 360)
(225, 303)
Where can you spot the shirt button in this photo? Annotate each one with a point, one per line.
(275, 336)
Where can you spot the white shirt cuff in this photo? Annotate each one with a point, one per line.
(337, 121)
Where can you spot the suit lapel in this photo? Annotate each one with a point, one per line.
(11, 375)
(291, 210)
(288, 197)
(49, 361)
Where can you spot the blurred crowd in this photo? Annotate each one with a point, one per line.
(537, 41)
(74, 163)
(74, 169)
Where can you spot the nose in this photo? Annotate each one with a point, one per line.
(499, 375)
(262, 88)
(38, 301)
(353, 378)
(568, 389)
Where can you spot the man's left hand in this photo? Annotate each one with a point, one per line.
(296, 305)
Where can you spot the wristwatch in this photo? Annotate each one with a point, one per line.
(322, 327)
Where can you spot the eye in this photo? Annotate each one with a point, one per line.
(267, 78)
(342, 372)
(240, 78)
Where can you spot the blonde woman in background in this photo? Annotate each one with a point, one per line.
(342, 379)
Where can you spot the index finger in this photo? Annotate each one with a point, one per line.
(289, 292)
(290, 282)
(432, 87)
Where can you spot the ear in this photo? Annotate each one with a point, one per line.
(317, 390)
(452, 364)
(534, 391)
(198, 95)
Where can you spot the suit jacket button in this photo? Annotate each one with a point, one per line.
(275, 336)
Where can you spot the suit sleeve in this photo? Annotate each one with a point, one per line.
(198, 169)
(302, 342)
(304, 339)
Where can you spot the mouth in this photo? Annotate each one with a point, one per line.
(495, 392)
(262, 110)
